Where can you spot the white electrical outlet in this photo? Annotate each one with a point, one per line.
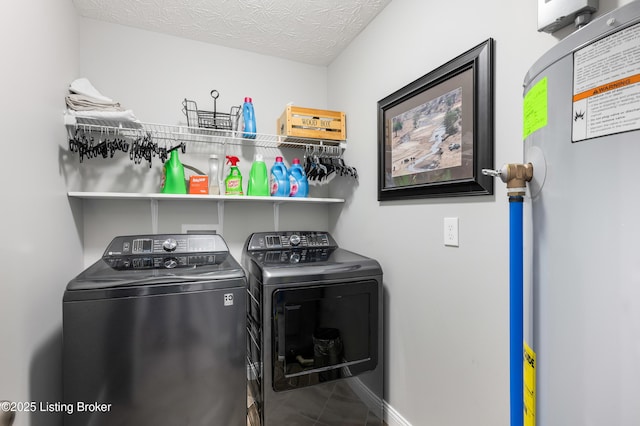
(451, 231)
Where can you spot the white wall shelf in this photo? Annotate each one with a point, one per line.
(197, 197)
(153, 198)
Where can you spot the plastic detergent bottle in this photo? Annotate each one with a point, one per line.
(173, 181)
(279, 179)
(298, 184)
(249, 119)
(258, 178)
(233, 182)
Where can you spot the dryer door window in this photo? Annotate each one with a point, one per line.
(324, 333)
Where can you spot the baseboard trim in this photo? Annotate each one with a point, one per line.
(370, 399)
(392, 417)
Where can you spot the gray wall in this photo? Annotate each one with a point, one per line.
(447, 307)
(41, 249)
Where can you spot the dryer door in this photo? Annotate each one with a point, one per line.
(323, 332)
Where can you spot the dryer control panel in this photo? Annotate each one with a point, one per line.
(290, 240)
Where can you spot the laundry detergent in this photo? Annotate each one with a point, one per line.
(258, 178)
(298, 184)
(279, 179)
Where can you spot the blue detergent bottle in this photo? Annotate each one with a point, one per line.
(279, 179)
(298, 183)
(249, 119)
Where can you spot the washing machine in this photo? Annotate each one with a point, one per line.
(314, 331)
(154, 333)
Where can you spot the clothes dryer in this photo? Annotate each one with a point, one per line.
(154, 333)
(314, 331)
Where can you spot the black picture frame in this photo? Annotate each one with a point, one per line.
(436, 134)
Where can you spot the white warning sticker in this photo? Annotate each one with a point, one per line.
(606, 86)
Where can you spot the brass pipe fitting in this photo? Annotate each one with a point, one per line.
(515, 175)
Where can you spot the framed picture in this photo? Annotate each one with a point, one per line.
(435, 135)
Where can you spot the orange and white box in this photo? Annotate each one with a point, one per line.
(199, 184)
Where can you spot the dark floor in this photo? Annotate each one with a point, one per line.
(334, 405)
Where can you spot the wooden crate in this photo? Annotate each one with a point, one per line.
(298, 122)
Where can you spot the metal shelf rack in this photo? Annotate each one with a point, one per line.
(178, 134)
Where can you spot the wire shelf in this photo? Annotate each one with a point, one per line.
(178, 134)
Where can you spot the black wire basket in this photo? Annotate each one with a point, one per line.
(211, 119)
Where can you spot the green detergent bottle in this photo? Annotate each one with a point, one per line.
(258, 178)
(173, 181)
(233, 182)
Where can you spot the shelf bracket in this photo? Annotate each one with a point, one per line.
(221, 216)
(154, 215)
(276, 216)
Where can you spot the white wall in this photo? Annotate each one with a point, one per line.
(151, 74)
(446, 307)
(41, 244)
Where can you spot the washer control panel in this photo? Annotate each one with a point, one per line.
(166, 243)
(165, 251)
(290, 239)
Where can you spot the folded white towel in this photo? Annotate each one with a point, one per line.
(116, 116)
(87, 103)
(82, 86)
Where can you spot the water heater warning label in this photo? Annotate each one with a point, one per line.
(606, 86)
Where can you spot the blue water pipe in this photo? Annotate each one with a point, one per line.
(516, 177)
(516, 314)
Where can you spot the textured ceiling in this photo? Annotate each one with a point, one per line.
(309, 31)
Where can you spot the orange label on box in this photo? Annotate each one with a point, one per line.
(199, 184)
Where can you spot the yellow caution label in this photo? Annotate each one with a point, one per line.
(535, 108)
(529, 386)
